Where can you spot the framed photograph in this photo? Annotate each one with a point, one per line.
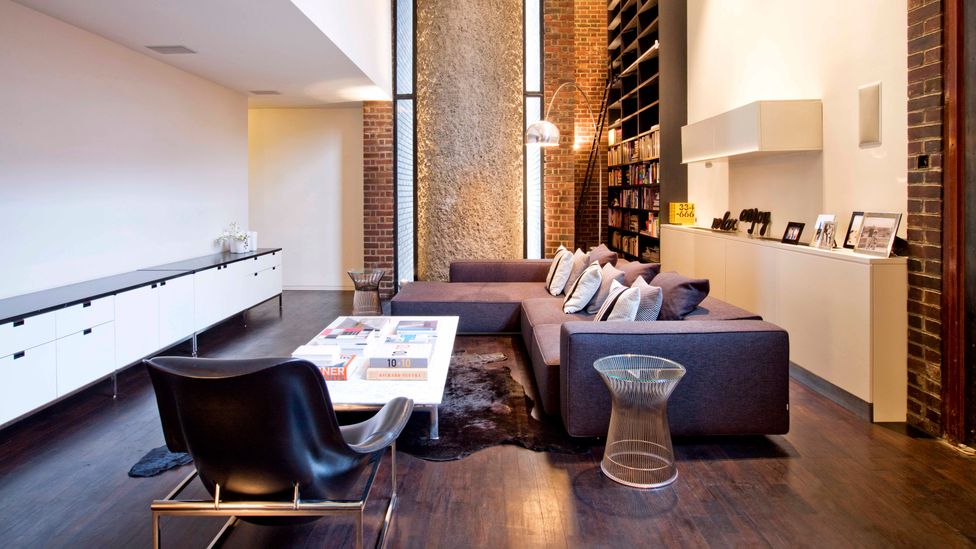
(822, 219)
(853, 230)
(792, 233)
(825, 236)
(877, 233)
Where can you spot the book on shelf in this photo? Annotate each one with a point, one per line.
(416, 326)
(398, 374)
(400, 355)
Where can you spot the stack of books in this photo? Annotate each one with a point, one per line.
(405, 354)
(334, 365)
(352, 335)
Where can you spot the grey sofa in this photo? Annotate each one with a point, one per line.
(737, 380)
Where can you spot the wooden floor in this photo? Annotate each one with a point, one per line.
(834, 480)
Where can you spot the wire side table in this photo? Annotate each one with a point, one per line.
(639, 451)
(366, 299)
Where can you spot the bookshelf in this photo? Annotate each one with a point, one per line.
(646, 108)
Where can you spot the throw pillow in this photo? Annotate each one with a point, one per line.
(634, 270)
(559, 271)
(603, 254)
(681, 294)
(580, 262)
(651, 298)
(621, 304)
(610, 273)
(583, 289)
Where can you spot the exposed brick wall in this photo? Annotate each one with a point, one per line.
(559, 65)
(925, 102)
(378, 228)
(590, 42)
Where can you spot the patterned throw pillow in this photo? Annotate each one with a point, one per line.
(621, 304)
(562, 264)
(610, 273)
(580, 262)
(583, 289)
(651, 298)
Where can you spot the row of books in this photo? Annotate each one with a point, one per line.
(646, 199)
(645, 147)
(652, 226)
(627, 244)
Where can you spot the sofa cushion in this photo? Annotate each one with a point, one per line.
(580, 262)
(621, 304)
(610, 274)
(562, 266)
(603, 255)
(484, 307)
(716, 309)
(634, 270)
(651, 299)
(544, 353)
(681, 294)
(583, 290)
(548, 310)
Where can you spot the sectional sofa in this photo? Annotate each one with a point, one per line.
(737, 380)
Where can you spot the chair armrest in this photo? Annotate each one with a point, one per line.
(500, 270)
(381, 430)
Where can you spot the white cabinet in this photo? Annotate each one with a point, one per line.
(84, 357)
(175, 310)
(25, 333)
(262, 281)
(224, 291)
(136, 324)
(85, 315)
(215, 296)
(28, 380)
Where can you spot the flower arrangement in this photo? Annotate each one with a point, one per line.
(236, 236)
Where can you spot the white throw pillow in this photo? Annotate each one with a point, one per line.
(562, 264)
(651, 299)
(583, 290)
(580, 262)
(610, 274)
(621, 304)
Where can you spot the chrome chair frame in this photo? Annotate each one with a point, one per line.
(169, 506)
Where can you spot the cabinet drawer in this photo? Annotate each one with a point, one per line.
(85, 315)
(29, 332)
(28, 380)
(85, 356)
(263, 262)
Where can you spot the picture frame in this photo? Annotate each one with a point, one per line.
(825, 236)
(878, 231)
(792, 233)
(853, 230)
(822, 219)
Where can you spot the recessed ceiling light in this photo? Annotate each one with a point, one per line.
(265, 92)
(170, 50)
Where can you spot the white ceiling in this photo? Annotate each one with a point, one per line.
(241, 44)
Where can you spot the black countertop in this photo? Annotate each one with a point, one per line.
(209, 261)
(20, 306)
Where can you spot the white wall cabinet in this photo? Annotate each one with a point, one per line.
(28, 379)
(845, 312)
(84, 357)
(136, 324)
(176, 309)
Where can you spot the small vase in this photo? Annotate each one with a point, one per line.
(239, 246)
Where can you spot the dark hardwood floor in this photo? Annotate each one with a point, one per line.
(834, 480)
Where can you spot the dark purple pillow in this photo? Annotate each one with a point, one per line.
(633, 269)
(681, 294)
(603, 255)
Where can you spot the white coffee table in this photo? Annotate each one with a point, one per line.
(359, 394)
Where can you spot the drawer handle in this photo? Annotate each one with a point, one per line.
(86, 304)
(19, 355)
(87, 331)
(153, 286)
(163, 283)
(273, 268)
(18, 323)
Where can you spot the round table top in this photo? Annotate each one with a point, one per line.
(639, 368)
(365, 271)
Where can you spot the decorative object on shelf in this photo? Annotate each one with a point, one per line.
(793, 231)
(818, 228)
(544, 133)
(853, 230)
(725, 223)
(825, 236)
(236, 238)
(878, 233)
(252, 241)
(682, 213)
(754, 216)
(366, 299)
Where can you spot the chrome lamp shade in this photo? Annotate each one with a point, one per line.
(542, 133)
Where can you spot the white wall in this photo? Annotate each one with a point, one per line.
(748, 50)
(109, 160)
(306, 191)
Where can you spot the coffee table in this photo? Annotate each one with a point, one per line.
(358, 393)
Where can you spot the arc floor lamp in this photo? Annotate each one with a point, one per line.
(544, 133)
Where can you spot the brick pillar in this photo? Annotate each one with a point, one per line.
(925, 102)
(558, 179)
(378, 221)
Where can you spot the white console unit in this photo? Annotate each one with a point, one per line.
(55, 342)
(845, 312)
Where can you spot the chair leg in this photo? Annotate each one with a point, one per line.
(155, 531)
(388, 518)
(359, 529)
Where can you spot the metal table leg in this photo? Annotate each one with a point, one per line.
(434, 432)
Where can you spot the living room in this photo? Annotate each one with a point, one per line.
(762, 205)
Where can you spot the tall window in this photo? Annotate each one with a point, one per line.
(403, 94)
(532, 23)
